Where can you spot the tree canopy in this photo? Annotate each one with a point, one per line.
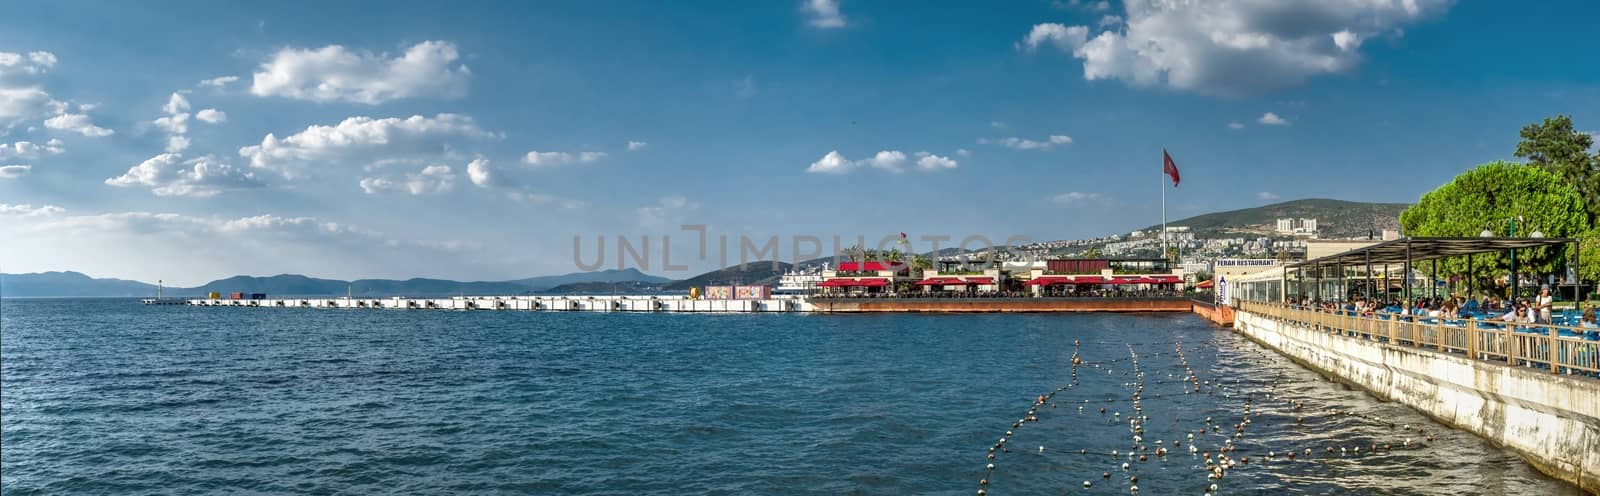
(1487, 197)
(1561, 149)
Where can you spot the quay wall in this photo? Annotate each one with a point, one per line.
(1552, 420)
(1222, 316)
(975, 305)
(530, 303)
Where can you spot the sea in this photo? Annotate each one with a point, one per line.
(107, 396)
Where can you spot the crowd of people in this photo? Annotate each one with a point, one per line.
(1539, 310)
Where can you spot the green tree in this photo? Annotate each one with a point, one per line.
(1589, 258)
(921, 263)
(1559, 148)
(1092, 253)
(1486, 197)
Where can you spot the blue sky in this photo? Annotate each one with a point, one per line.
(475, 141)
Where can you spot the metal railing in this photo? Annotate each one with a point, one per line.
(1558, 349)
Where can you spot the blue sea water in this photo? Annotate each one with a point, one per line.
(105, 396)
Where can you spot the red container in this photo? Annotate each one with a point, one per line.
(236, 295)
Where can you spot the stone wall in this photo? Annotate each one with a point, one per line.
(1552, 420)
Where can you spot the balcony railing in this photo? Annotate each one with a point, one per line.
(1556, 348)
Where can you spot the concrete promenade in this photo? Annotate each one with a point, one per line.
(1479, 384)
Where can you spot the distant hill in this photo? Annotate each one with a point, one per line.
(1335, 218)
(609, 275)
(752, 274)
(626, 287)
(73, 284)
(69, 284)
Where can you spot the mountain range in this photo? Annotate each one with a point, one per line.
(74, 284)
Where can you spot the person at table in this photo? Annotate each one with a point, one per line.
(1589, 319)
(1545, 304)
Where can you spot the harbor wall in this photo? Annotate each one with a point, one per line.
(976, 305)
(1552, 420)
(530, 303)
(1222, 316)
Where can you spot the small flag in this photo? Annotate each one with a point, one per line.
(902, 238)
(1169, 167)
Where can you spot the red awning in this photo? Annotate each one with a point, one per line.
(1124, 280)
(1144, 280)
(1168, 280)
(938, 281)
(1048, 281)
(1089, 280)
(869, 266)
(836, 283)
(871, 283)
(1208, 283)
(980, 280)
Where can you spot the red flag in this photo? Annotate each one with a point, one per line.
(1169, 167)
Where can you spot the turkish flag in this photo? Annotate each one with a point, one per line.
(1169, 167)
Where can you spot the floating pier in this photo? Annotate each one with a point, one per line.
(529, 303)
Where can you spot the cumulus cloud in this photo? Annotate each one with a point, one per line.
(537, 158)
(77, 123)
(929, 161)
(824, 13)
(433, 179)
(1235, 125)
(335, 73)
(634, 146)
(28, 149)
(168, 174)
(1272, 119)
(963, 152)
(220, 81)
(1063, 37)
(1232, 47)
(211, 116)
(362, 139)
(890, 160)
(1075, 198)
(480, 172)
(30, 64)
(1028, 144)
(22, 99)
(1266, 195)
(14, 171)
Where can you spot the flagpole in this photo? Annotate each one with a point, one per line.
(1163, 184)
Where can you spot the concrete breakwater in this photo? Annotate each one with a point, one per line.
(1552, 420)
(529, 303)
(985, 305)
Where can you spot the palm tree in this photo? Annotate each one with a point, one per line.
(921, 263)
(894, 256)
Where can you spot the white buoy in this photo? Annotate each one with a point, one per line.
(1124, 465)
(1086, 484)
(1041, 449)
(991, 466)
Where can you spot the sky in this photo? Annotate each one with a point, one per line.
(497, 140)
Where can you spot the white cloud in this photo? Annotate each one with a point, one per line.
(362, 139)
(220, 81)
(634, 146)
(1235, 125)
(176, 104)
(1102, 6)
(211, 116)
(77, 123)
(550, 159)
(27, 210)
(890, 160)
(1109, 21)
(824, 13)
(480, 172)
(1233, 47)
(832, 163)
(168, 174)
(1266, 195)
(1075, 197)
(1272, 119)
(544, 199)
(14, 171)
(963, 152)
(1028, 144)
(433, 179)
(1063, 37)
(334, 73)
(31, 64)
(21, 98)
(177, 143)
(29, 149)
(929, 161)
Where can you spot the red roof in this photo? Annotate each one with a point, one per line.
(938, 281)
(869, 266)
(1089, 280)
(836, 283)
(845, 282)
(980, 280)
(1168, 279)
(871, 283)
(1208, 283)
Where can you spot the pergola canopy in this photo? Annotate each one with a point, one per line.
(1402, 250)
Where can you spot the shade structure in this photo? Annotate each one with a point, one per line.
(938, 281)
(980, 280)
(1168, 280)
(836, 283)
(1048, 281)
(869, 266)
(1206, 284)
(1089, 280)
(1144, 280)
(1124, 280)
(871, 283)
